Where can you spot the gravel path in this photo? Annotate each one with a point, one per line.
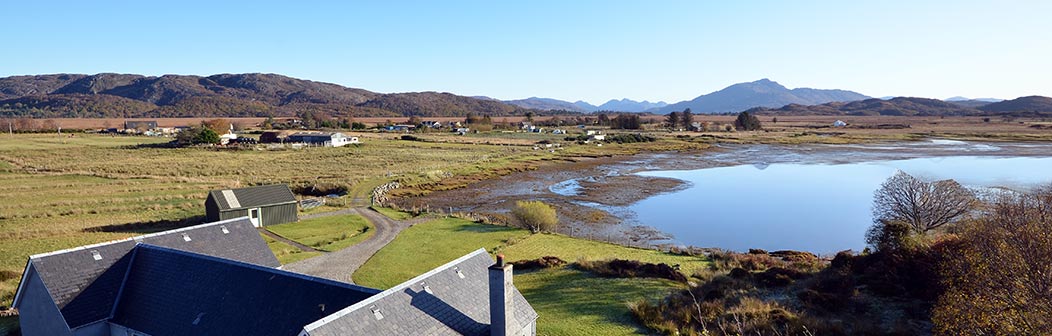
(340, 265)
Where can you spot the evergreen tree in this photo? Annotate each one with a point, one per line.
(747, 122)
(687, 118)
(672, 120)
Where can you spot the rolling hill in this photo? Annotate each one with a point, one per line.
(761, 93)
(550, 104)
(1022, 104)
(228, 95)
(628, 105)
(912, 106)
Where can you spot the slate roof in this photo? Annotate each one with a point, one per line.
(86, 289)
(172, 292)
(455, 305)
(252, 197)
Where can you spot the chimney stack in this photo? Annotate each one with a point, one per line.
(501, 311)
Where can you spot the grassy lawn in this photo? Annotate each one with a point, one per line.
(330, 233)
(392, 213)
(286, 253)
(572, 302)
(429, 245)
(573, 249)
(569, 302)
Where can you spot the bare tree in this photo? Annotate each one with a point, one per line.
(923, 206)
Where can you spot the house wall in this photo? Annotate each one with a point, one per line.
(269, 215)
(38, 314)
(212, 209)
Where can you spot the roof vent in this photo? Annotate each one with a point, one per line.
(377, 313)
(186, 237)
(223, 227)
(427, 288)
(459, 273)
(322, 307)
(95, 255)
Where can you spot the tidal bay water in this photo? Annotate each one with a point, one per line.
(820, 207)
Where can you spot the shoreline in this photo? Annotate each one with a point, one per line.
(594, 196)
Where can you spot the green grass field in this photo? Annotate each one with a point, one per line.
(58, 192)
(392, 213)
(569, 302)
(286, 253)
(329, 234)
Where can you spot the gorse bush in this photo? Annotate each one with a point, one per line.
(535, 216)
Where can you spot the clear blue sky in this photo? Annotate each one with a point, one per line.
(590, 50)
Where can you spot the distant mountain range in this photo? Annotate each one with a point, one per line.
(226, 95)
(623, 105)
(761, 93)
(911, 106)
(255, 95)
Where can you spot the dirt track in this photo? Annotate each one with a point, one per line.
(340, 265)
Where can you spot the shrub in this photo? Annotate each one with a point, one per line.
(539, 263)
(535, 216)
(8, 275)
(619, 268)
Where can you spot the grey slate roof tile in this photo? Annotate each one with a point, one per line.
(85, 289)
(457, 307)
(171, 292)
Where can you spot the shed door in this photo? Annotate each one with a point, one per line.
(253, 215)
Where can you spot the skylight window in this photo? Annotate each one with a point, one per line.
(377, 313)
(186, 237)
(95, 255)
(223, 227)
(459, 273)
(427, 288)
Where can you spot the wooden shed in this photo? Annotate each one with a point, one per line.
(264, 205)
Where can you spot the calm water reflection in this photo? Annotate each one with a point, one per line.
(814, 207)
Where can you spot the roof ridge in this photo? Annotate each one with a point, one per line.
(397, 288)
(261, 268)
(149, 235)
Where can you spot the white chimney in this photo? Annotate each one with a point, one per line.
(501, 308)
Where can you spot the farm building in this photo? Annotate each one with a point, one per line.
(221, 279)
(274, 136)
(334, 139)
(264, 205)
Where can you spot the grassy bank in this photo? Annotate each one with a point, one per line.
(570, 302)
(331, 233)
(286, 253)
